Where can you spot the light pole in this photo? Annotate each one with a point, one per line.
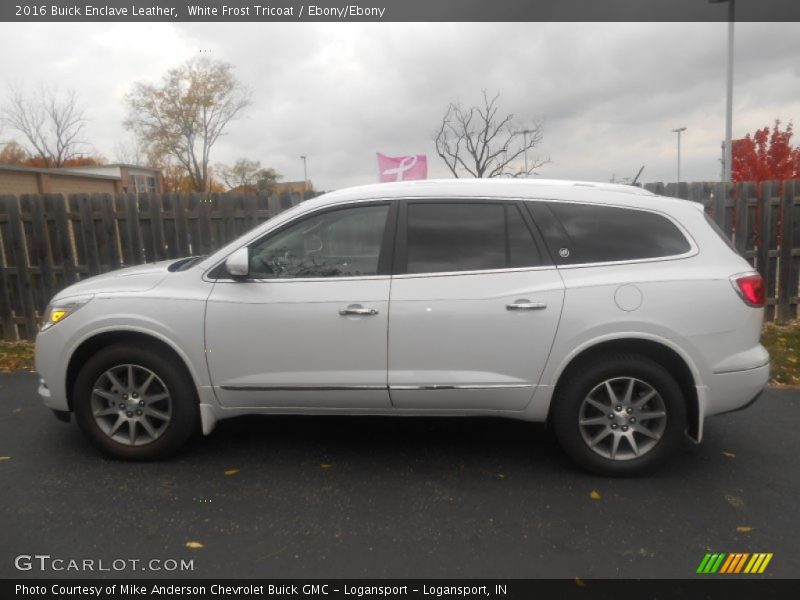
(679, 130)
(728, 91)
(305, 173)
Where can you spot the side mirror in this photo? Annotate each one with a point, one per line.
(238, 263)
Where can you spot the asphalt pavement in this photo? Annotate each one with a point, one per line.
(381, 497)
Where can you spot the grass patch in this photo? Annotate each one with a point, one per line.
(16, 356)
(782, 341)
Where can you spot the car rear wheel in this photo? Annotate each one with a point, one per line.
(619, 415)
(135, 403)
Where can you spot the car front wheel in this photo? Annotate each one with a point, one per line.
(135, 403)
(620, 415)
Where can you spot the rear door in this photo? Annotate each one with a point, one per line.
(475, 304)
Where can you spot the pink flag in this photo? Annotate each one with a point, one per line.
(402, 168)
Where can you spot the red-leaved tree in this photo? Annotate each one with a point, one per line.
(766, 155)
(763, 156)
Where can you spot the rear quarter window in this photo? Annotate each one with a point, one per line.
(610, 234)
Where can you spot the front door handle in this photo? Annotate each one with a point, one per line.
(524, 304)
(357, 309)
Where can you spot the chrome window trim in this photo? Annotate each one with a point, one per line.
(693, 251)
(477, 272)
(635, 261)
(305, 280)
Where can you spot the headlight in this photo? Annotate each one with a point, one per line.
(59, 311)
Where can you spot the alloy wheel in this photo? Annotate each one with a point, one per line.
(131, 404)
(622, 418)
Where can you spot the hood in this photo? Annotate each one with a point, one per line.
(130, 279)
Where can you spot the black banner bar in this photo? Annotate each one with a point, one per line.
(397, 10)
(710, 588)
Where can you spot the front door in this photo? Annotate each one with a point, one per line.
(474, 312)
(308, 326)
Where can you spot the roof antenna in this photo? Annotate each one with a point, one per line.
(635, 179)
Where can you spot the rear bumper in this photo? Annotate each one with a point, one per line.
(735, 390)
(752, 401)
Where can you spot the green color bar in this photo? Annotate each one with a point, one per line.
(702, 566)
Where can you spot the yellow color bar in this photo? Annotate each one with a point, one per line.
(754, 562)
(765, 563)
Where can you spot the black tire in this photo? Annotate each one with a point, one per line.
(569, 404)
(172, 373)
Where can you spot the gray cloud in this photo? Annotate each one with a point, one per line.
(609, 94)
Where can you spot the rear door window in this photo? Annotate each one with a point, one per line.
(467, 236)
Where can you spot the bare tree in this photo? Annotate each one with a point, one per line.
(246, 173)
(130, 152)
(475, 141)
(50, 122)
(186, 115)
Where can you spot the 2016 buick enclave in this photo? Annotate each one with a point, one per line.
(620, 317)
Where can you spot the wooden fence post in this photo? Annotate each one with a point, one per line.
(783, 308)
(17, 247)
(133, 235)
(180, 206)
(6, 307)
(40, 245)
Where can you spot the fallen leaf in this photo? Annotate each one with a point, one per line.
(501, 476)
(194, 545)
(17, 410)
(230, 472)
(580, 582)
(729, 454)
(595, 495)
(5, 458)
(325, 466)
(744, 529)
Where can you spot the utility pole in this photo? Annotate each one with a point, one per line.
(305, 173)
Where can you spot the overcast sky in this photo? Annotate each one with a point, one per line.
(608, 94)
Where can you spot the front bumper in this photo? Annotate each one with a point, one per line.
(49, 399)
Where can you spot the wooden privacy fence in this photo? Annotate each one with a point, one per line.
(763, 222)
(48, 242)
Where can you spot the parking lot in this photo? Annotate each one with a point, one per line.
(371, 497)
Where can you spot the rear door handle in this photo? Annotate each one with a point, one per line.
(357, 309)
(523, 304)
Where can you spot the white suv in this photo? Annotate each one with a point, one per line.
(620, 317)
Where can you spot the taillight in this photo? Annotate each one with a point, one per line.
(751, 289)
